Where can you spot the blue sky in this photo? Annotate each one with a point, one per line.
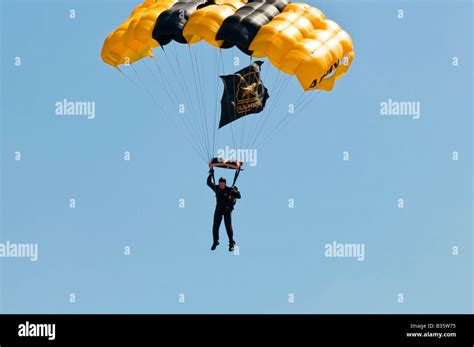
(281, 250)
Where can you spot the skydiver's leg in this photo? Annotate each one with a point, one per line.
(216, 225)
(228, 226)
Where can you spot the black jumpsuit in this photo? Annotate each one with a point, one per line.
(224, 209)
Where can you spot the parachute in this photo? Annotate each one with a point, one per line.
(295, 38)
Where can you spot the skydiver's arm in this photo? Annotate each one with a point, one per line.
(209, 182)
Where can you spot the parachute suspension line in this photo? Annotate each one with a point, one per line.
(216, 105)
(202, 72)
(178, 77)
(233, 124)
(264, 113)
(170, 97)
(281, 89)
(265, 74)
(187, 96)
(182, 83)
(194, 97)
(122, 73)
(158, 104)
(304, 103)
(168, 83)
(163, 76)
(244, 139)
(201, 97)
(143, 85)
(282, 123)
(310, 100)
(207, 109)
(258, 119)
(187, 134)
(236, 175)
(278, 87)
(225, 87)
(200, 102)
(187, 121)
(183, 134)
(201, 120)
(277, 126)
(244, 135)
(213, 99)
(202, 91)
(242, 132)
(288, 118)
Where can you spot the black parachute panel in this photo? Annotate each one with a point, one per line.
(170, 23)
(241, 28)
(244, 93)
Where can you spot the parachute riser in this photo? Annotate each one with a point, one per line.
(236, 175)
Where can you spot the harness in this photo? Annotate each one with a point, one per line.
(231, 198)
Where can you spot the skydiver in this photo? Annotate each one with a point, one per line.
(225, 200)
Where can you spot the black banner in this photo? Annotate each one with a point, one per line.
(390, 330)
(244, 94)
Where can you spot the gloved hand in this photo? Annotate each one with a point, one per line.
(235, 189)
(211, 171)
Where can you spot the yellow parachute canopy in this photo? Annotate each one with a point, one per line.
(295, 37)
